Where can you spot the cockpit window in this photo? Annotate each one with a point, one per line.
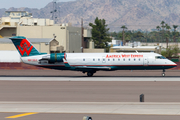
(160, 57)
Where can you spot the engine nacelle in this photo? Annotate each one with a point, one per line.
(54, 57)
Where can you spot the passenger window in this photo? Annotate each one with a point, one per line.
(124, 59)
(108, 59)
(139, 59)
(93, 59)
(118, 59)
(113, 59)
(134, 59)
(129, 59)
(98, 59)
(83, 59)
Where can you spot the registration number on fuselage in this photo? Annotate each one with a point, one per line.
(32, 60)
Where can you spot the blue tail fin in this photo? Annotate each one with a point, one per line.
(24, 46)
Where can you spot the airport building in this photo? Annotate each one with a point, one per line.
(123, 49)
(117, 46)
(47, 36)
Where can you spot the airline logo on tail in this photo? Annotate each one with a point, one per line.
(25, 46)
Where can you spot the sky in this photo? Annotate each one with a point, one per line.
(27, 3)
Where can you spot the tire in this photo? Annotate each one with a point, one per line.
(163, 74)
(89, 74)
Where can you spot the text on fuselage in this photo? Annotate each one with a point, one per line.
(124, 56)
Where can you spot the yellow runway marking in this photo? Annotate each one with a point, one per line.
(21, 115)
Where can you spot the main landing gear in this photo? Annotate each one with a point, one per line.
(90, 73)
(163, 74)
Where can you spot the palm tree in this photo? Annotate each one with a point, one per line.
(139, 35)
(167, 34)
(123, 27)
(175, 27)
(163, 26)
(158, 28)
(168, 27)
(167, 38)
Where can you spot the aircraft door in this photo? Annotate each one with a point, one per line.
(146, 62)
(103, 59)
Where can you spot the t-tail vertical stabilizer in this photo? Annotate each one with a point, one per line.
(24, 46)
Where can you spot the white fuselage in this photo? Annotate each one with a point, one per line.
(113, 60)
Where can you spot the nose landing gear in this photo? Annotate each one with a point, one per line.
(163, 74)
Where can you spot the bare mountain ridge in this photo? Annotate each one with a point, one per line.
(136, 14)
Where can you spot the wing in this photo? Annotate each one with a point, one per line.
(86, 67)
(89, 67)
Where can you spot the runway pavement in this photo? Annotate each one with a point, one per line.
(60, 73)
(133, 108)
(89, 91)
(102, 97)
(59, 116)
(110, 78)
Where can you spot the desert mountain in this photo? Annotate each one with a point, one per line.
(135, 14)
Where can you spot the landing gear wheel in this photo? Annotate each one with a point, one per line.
(163, 74)
(90, 74)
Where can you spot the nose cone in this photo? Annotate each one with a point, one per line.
(173, 64)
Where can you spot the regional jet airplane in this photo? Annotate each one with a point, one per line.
(90, 62)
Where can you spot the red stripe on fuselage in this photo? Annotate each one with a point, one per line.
(51, 65)
(123, 65)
